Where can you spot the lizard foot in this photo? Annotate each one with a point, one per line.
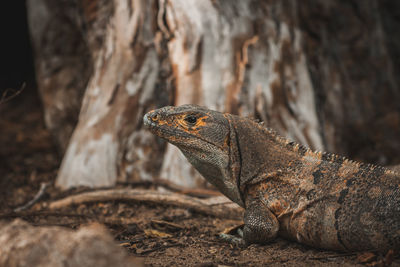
(233, 235)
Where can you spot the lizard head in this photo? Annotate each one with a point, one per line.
(203, 136)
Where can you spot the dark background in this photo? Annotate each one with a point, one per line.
(16, 66)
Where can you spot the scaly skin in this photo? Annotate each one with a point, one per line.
(315, 198)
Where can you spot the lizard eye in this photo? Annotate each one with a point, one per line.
(191, 119)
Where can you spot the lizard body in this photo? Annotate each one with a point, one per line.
(319, 199)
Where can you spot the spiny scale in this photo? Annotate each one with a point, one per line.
(327, 156)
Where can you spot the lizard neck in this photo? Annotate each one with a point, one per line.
(262, 152)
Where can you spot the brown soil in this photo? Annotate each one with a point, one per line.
(161, 235)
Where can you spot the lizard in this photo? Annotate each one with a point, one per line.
(318, 199)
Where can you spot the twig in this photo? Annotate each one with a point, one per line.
(42, 190)
(167, 224)
(332, 256)
(117, 221)
(4, 98)
(133, 241)
(42, 213)
(69, 225)
(203, 206)
(159, 248)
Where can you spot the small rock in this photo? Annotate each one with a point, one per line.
(23, 245)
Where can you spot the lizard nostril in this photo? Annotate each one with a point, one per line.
(155, 117)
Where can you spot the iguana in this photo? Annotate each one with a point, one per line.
(319, 199)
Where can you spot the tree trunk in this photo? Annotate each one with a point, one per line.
(62, 63)
(319, 72)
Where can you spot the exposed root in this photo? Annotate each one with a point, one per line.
(35, 199)
(204, 206)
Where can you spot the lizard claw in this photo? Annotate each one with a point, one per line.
(239, 241)
(233, 235)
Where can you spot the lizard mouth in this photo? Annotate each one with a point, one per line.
(151, 121)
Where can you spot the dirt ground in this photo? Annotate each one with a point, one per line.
(160, 235)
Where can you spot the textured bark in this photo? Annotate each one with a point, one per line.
(62, 63)
(320, 72)
(352, 50)
(128, 79)
(24, 245)
(244, 58)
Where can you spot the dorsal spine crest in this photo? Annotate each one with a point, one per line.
(326, 156)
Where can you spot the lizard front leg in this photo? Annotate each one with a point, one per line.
(260, 224)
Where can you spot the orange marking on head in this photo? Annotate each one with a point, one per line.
(164, 122)
(201, 121)
(190, 129)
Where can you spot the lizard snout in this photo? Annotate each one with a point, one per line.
(150, 118)
(153, 117)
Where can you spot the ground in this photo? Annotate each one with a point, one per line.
(160, 235)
